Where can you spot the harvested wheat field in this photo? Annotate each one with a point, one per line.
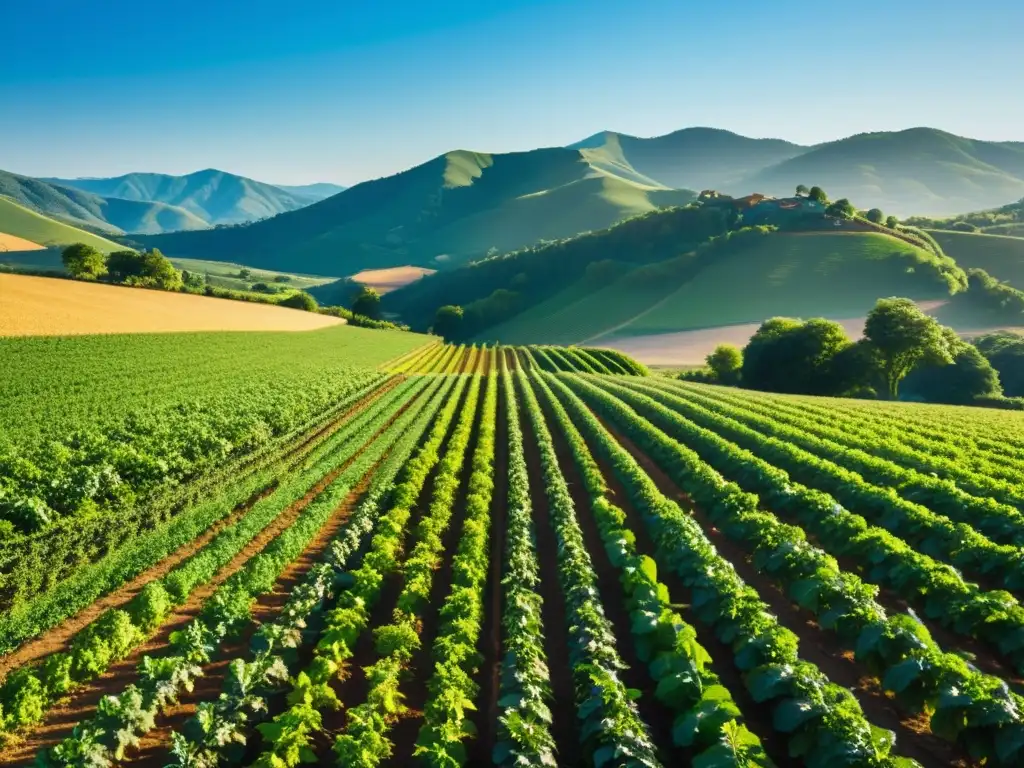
(11, 243)
(44, 306)
(392, 278)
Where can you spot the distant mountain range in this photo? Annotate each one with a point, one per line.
(453, 208)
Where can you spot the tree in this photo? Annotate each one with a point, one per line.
(148, 269)
(903, 336)
(875, 215)
(300, 300)
(788, 355)
(802, 190)
(367, 303)
(1005, 352)
(969, 378)
(448, 321)
(244, 273)
(726, 362)
(818, 195)
(841, 209)
(83, 261)
(192, 281)
(892, 222)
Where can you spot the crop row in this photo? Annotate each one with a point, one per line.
(610, 725)
(121, 720)
(707, 719)
(898, 649)
(948, 486)
(287, 739)
(219, 731)
(935, 587)
(822, 721)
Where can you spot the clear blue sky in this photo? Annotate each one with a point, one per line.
(347, 90)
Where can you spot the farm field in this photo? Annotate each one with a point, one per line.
(392, 278)
(458, 555)
(18, 220)
(45, 306)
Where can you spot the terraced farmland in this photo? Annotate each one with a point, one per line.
(536, 556)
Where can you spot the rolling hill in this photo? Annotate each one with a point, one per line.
(112, 216)
(22, 222)
(456, 207)
(313, 193)
(916, 171)
(1000, 256)
(211, 196)
(694, 158)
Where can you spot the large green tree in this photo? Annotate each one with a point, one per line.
(789, 355)
(84, 262)
(818, 195)
(969, 377)
(448, 322)
(726, 362)
(367, 303)
(903, 336)
(149, 269)
(1005, 351)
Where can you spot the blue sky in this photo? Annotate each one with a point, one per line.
(342, 91)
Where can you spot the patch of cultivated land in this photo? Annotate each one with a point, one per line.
(392, 278)
(42, 306)
(15, 243)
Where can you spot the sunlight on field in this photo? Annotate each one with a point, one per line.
(392, 278)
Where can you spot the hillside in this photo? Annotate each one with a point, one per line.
(455, 207)
(694, 158)
(313, 193)
(806, 274)
(1000, 256)
(211, 196)
(80, 208)
(22, 222)
(917, 171)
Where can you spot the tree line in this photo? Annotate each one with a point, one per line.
(903, 354)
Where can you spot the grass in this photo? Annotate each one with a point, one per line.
(89, 380)
(1002, 257)
(225, 274)
(17, 220)
(812, 275)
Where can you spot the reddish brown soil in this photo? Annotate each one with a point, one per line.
(60, 637)
(658, 716)
(564, 726)
(816, 645)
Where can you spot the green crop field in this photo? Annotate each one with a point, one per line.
(225, 274)
(22, 222)
(1002, 257)
(806, 275)
(364, 548)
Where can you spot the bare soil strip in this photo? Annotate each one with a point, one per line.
(913, 737)
(59, 638)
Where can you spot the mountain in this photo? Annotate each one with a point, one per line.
(212, 196)
(454, 208)
(694, 158)
(312, 192)
(916, 171)
(109, 216)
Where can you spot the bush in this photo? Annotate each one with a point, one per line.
(300, 300)
(788, 355)
(725, 364)
(83, 261)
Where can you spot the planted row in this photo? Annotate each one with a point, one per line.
(287, 740)
(120, 721)
(611, 729)
(985, 718)
(707, 718)
(823, 722)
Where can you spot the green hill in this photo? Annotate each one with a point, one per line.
(807, 274)
(694, 158)
(453, 208)
(212, 197)
(917, 171)
(18, 220)
(798, 275)
(80, 208)
(1002, 257)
